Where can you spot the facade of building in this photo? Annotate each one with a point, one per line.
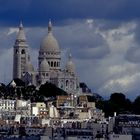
(49, 63)
(6, 104)
(39, 109)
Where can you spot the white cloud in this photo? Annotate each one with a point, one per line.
(12, 30)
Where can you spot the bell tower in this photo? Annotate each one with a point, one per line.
(20, 57)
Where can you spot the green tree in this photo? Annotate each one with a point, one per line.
(136, 105)
(50, 90)
(3, 90)
(117, 103)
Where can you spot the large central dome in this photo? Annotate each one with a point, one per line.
(49, 50)
(49, 43)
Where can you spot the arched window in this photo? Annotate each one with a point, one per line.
(23, 51)
(61, 85)
(67, 82)
(52, 64)
(43, 74)
(49, 63)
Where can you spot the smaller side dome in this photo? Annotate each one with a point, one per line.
(70, 66)
(29, 67)
(44, 66)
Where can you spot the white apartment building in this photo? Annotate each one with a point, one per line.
(7, 104)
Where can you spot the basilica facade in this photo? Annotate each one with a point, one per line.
(49, 63)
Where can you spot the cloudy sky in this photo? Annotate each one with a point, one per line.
(102, 35)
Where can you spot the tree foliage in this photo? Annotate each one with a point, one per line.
(29, 92)
(136, 105)
(50, 90)
(116, 103)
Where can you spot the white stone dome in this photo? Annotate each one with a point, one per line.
(49, 44)
(29, 67)
(44, 66)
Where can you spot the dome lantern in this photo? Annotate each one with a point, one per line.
(50, 27)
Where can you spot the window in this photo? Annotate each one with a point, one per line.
(22, 51)
(61, 85)
(54, 64)
(67, 82)
(16, 51)
(51, 64)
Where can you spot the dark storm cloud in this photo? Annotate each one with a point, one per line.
(108, 45)
(133, 54)
(137, 31)
(103, 52)
(82, 40)
(91, 53)
(37, 13)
